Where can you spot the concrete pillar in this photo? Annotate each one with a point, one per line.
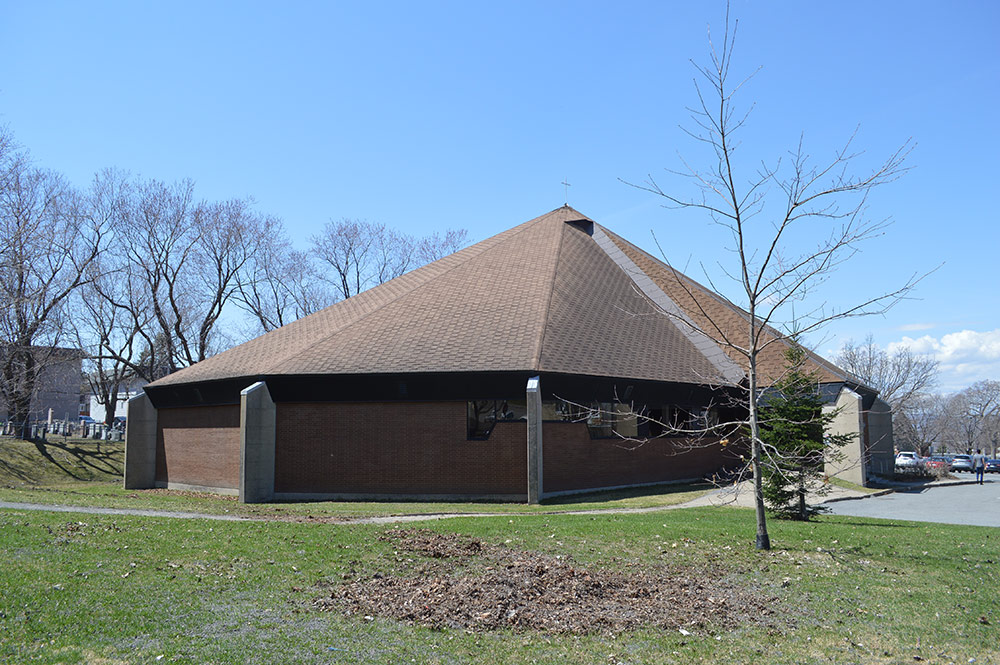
(257, 434)
(140, 444)
(534, 396)
(881, 448)
(849, 420)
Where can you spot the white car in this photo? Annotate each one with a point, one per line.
(908, 460)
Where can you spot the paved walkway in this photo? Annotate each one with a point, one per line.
(94, 510)
(738, 495)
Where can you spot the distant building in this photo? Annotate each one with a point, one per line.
(58, 384)
(98, 411)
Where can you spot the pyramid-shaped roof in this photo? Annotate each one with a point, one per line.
(556, 294)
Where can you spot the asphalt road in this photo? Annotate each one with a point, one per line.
(977, 505)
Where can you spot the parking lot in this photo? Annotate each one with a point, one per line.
(966, 503)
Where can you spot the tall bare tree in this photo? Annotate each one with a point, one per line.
(922, 424)
(364, 254)
(181, 261)
(766, 213)
(107, 324)
(49, 244)
(280, 284)
(973, 417)
(437, 246)
(228, 236)
(361, 255)
(899, 377)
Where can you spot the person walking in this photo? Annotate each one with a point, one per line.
(979, 465)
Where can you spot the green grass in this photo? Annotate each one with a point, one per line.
(59, 460)
(82, 588)
(848, 485)
(78, 588)
(83, 472)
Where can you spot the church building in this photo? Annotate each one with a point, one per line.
(552, 358)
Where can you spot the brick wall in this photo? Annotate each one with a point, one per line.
(394, 448)
(199, 446)
(574, 461)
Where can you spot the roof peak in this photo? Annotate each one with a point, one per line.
(566, 212)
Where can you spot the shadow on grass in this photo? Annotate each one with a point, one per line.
(603, 496)
(104, 461)
(881, 522)
(11, 469)
(567, 501)
(33, 461)
(43, 451)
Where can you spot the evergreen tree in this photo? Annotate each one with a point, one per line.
(796, 444)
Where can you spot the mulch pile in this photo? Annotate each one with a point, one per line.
(472, 585)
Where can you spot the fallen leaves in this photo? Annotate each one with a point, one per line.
(472, 585)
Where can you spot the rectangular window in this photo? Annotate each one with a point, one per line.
(483, 415)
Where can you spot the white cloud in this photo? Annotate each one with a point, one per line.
(964, 357)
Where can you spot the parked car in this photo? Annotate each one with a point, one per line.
(992, 466)
(938, 463)
(962, 463)
(908, 460)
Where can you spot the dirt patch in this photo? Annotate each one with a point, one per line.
(467, 584)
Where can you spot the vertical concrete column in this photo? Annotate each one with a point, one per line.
(849, 420)
(257, 433)
(880, 449)
(140, 443)
(534, 396)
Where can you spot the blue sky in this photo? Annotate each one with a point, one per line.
(435, 115)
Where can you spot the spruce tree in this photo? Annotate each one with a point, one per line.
(793, 433)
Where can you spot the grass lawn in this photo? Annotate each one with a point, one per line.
(86, 472)
(78, 588)
(90, 588)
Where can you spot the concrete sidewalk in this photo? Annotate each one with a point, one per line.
(741, 494)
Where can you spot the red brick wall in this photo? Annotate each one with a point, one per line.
(574, 461)
(199, 446)
(394, 448)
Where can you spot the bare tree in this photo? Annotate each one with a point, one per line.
(49, 245)
(280, 284)
(899, 377)
(922, 424)
(973, 417)
(766, 215)
(227, 236)
(181, 262)
(103, 322)
(436, 246)
(362, 255)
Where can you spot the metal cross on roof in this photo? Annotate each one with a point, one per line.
(566, 187)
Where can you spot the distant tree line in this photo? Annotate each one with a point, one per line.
(138, 273)
(923, 420)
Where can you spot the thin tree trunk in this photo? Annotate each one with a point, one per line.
(763, 540)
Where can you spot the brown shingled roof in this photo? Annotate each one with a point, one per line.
(723, 320)
(556, 294)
